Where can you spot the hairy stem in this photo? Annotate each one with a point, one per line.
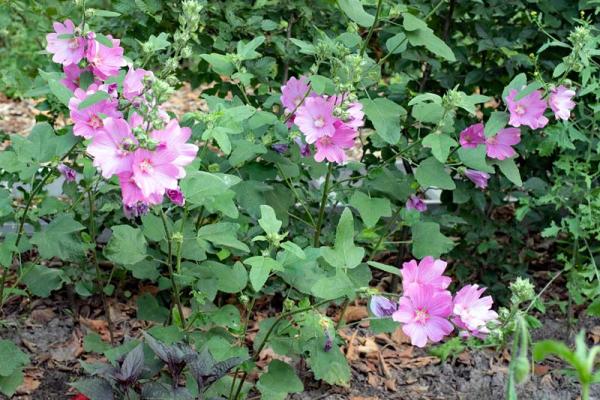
(317, 236)
(174, 285)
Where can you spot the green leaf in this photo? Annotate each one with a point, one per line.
(509, 168)
(230, 279)
(429, 241)
(246, 51)
(294, 249)
(104, 40)
(431, 173)
(370, 209)
(157, 43)
(126, 246)
(268, 220)
(105, 13)
(12, 358)
(355, 11)
(222, 234)
(60, 91)
(412, 23)
(93, 343)
(497, 121)
(385, 115)
(148, 309)
(10, 383)
(220, 63)
(333, 287)
(321, 84)
(440, 145)
(475, 158)
(58, 239)
(386, 268)
(93, 99)
(280, 380)
(94, 389)
(330, 366)
(518, 83)
(533, 86)
(41, 281)
(344, 254)
(397, 43)
(425, 37)
(429, 113)
(211, 191)
(261, 268)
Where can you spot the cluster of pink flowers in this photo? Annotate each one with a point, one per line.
(331, 123)
(427, 309)
(146, 154)
(528, 111)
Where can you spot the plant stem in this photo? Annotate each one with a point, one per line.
(585, 391)
(92, 231)
(388, 230)
(322, 207)
(170, 267)
(20, 230)
(268, 334)
(371, 29)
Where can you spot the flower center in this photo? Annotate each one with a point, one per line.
(421, 316)
(520, 110)
(146, 166)
(325, 140)
(297, 101)
(73, 43)
(95, 122)
(319, 122)
(126, 146)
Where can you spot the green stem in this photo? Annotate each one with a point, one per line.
(317, 236)
(268, 334)
(92, 230)
(20, 230)
(174, 285)
(585, 391)
(371, 29)
(386, 233)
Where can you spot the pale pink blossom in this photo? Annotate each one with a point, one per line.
(424, 315)
(479, 178)
(155, 171)
(500, 145)
(528, 111)
(88, 121)
(112, 147)
(67, 172)
(429, 272)
(105, 61)
(132, 195)
(354, 111)
(332, 147)
(133, 84)
(293, 92)
(174, 139)
(66, 47)
(473, 312)
(472, 136)
(382, 307)
(72, 76)
(561, 102)
(315, 118)
(416, 203)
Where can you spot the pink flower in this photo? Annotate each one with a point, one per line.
(133, 84)
(356, 115)
(561, 103)
(176, 196)
(293, 92)
(479, 178)
(67, 172)
(472, 136)
(528, 111)
(72, 75)
(174, 139)
(472, 312)
(315, 118)
(425, 315)
(66, 48)
(304, 147)
(429, 272)
(382, 307)
(155, 171)
(105, 61)
(132, 195)
(90, 120)
(416, 203)
(112, 147)
(332, 147)
(500, 145)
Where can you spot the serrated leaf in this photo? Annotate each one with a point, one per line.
(475, 158)
(385, 116)
(425, 37)
(41, 281)
(431, 173)
(509, 169)
(127, 245)
(268, 220)
(355, 11)
(58, 239)
(280, 379)
(440, 145)
(427, 240)
(344, 254)
(12, 358)
(370, 209)
(220, 63)
(222, 234)
(94, 389)
(261, 268)
(60, 91)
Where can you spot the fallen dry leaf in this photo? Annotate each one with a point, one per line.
(42, 316)
(68, 351)
(400, 337)
(351, 353)
(540, 369)
(99, 326)
(355, 313)
(369, 347)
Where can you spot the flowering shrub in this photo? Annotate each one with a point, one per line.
(292, 186)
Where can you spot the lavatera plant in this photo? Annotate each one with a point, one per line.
(285, 195)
